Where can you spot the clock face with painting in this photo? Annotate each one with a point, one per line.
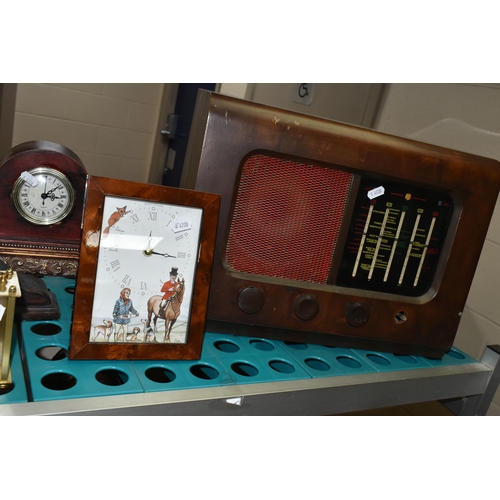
(144, 273)
(146, 267)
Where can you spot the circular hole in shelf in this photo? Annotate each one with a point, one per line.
(455, 354)
(58, 381)
(160, 375)
(281, 366)
(46, 329)
(405, 358)
(349, 362)
(110, 376)
(300, 346)
(205, 372)
(226, 346)
(6, 388)
(262, 345)
(52, 353)
(317, 364)
(70, 289)
(244, 369)
(379, 360)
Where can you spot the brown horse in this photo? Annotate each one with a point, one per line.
(171, 312)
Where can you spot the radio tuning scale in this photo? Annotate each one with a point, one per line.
(395, 238)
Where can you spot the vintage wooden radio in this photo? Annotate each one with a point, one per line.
(334, 234)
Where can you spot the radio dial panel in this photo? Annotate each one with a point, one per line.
(395, 238)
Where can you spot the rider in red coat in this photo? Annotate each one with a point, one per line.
(169, 288)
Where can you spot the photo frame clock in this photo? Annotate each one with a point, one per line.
(42, 188)
(144, 273)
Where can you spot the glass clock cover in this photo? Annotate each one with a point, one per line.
(43, 196)
(145, 271)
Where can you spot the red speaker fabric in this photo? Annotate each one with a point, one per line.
(286, 219)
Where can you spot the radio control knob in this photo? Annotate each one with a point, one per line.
(250, 299)
(306, 307)
(357, 313)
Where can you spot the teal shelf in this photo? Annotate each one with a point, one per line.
(231, 367)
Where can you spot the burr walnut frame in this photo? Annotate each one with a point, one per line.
(98, 189)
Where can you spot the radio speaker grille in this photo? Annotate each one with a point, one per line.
(286, 219)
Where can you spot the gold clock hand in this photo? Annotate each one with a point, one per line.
(148, 250)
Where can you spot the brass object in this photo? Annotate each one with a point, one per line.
(9, 291)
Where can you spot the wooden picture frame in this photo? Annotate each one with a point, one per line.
(139, 241)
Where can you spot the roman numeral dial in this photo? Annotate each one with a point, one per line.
(43, 196)
(142, 241)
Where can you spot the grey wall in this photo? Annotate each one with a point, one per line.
(353, 103)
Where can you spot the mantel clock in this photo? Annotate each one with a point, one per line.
(42, 188)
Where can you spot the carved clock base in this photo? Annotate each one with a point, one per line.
(42, 266)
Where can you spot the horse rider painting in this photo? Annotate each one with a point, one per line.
(168, 289)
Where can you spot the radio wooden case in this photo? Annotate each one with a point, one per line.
(334, 234)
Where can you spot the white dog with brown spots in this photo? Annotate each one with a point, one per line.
(105, 330)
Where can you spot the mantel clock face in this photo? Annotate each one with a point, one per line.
(43, 196)
(42, 190)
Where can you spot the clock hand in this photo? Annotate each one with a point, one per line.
(52, 190)
(49, 194)
(164, 254)
(148, 250)
(44, 195)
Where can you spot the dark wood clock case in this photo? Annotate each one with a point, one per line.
(29, 248)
